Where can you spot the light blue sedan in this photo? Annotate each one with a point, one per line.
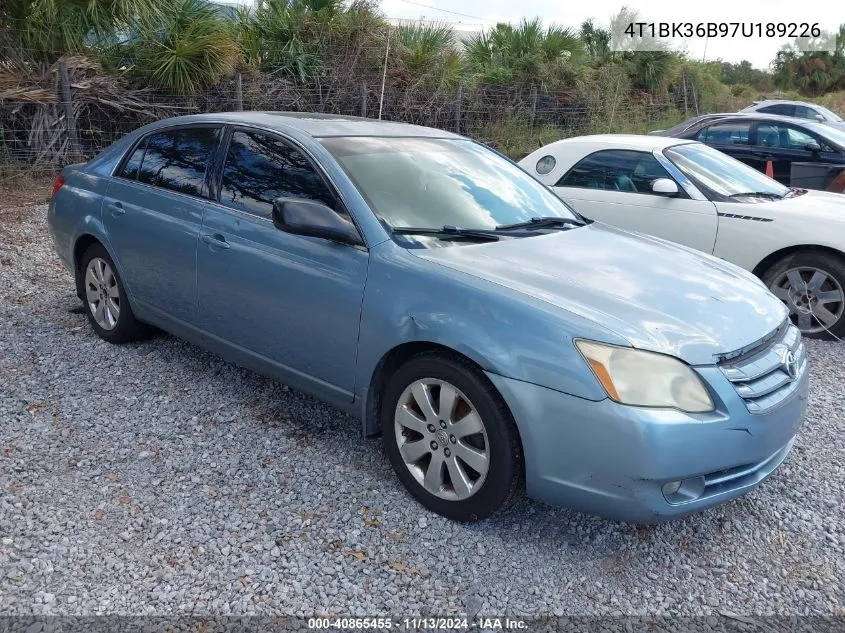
(424, 284)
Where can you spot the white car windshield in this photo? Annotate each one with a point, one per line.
(431, 182)
(829, 115)
(720, 174)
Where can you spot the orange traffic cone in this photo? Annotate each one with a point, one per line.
(769, 171)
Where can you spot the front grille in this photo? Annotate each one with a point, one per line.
(760, 375)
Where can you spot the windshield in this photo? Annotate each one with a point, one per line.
(719, 174)
(426, 182)
(834, 135)
(831, 116)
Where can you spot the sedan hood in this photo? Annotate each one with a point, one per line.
(657, 295)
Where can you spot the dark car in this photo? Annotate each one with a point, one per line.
(800, 153)
(798, 109)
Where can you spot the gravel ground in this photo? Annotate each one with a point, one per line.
(154, 478)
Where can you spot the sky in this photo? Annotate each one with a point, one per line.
(760, 52)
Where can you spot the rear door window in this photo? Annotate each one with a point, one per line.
(783, 109)
(177, 159)
(729, 133)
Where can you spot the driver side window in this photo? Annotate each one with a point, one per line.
(615, 170)
(260, 168)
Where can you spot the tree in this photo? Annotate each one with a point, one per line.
(525, 54)
(47, 29)
(812, 72)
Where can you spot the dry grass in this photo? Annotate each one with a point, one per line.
(20, 185)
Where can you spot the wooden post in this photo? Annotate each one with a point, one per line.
(364, 94)
(533, 104)
(694, 98)
(458, 100)
(239, 93)
(615, 101)
(70, 120)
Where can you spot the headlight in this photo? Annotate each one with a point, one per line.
(646, 379)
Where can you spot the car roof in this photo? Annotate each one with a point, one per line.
(621, 141)
(317, 125)
(760, 116)
(772, 101)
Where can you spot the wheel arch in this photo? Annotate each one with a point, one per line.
(389, 363)
(770, 260)
(83, 243)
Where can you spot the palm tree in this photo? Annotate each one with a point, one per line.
(48, 29)
(596, 40)
(190, 46)
(427, 44)
(520, 53)
(284, 34)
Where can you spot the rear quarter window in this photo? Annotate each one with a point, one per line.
(130, 167)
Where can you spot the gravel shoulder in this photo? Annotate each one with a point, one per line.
(154, 478)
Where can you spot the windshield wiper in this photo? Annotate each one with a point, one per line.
(540, 223)
(759, 194)
(447, 231)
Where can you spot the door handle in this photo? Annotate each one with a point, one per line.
(217, 241)
(116, 209)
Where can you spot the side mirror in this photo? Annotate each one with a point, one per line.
(664, 187)
(819, 118)
(313, 219)
(813, 147)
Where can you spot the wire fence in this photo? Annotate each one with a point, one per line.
(71, 110)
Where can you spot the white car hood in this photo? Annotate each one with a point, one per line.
(820, 205)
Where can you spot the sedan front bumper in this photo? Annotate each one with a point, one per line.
(613, 460)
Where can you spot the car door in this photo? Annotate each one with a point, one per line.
(784, 144)
(614, 186)
(731, 137)
(152, 212)
(292, 302)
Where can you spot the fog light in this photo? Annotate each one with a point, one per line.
(671, 488)
(683, 491)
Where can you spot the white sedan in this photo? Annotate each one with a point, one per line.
(689, 193)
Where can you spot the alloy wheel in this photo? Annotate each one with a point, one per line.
(442, 439)
(102, 293)
(815, 298)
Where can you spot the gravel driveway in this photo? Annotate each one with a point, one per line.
(155, 478)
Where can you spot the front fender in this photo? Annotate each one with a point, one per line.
(408, 299)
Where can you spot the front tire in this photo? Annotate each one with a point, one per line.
(104, 296)
(450, 438)
(812, 285)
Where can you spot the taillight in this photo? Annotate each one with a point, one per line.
(60, 181)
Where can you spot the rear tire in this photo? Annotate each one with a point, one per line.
(812, 285)
(104, 298)
(458, 453)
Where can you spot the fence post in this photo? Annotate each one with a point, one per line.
(458, 100)
(70, 121)
(364, 94)
(239, 93)
(533, 105)
(615, 102)
(694, 99)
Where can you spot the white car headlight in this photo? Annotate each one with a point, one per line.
(646, 379)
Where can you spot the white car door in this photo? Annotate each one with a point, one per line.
(615, 187)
